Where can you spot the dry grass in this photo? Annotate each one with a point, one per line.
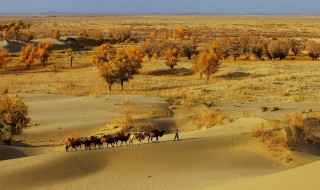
(274, 140)
(211, 118)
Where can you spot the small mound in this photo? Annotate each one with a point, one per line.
(14, 47)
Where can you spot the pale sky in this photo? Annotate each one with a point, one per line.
(163, 6)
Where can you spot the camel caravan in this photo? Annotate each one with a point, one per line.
(75, 144)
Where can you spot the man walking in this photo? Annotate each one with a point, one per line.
(177, 135)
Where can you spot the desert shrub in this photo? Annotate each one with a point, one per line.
(274, 140)
(119, 35)
(314, 50)
(275, 109)
(299, 129)
(263, 108)
(212, 118)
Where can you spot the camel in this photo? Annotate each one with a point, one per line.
(139, 136)
(74, 144)
(156, 133)
(109, 140)
(123, 138)
(96, 141)
(86, 142)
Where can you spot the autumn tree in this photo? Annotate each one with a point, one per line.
(245, 41)
(149, 48)
(225, 50)
(179, 33)
(43, 53)
(4, 58)
(207, 62)
(188, 49)
(129, 62)
(257, 47)
(81, 32)
(15, 27)
(102, 56)
(28, 54)
(154, 34)
(278, 49)
(172, 57)
(13, 117)
(56, 34)
(165, 35)
(122, 66)
(295, 46)
(314, 50)
(29, 36)
(7, 34)
(41, 36)
(235, 48)
(108, 71)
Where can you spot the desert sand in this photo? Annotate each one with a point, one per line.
(222, 157)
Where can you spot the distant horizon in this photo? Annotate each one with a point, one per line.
(79, 13)
(236, 7)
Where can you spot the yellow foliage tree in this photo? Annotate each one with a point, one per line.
(56, 34)
(172, 57)
(43, 53)
(81, 32)
(154, 34)
(13, 117)
(28, 54)
(29, 36)
(179, 33)
(4, 58)
(102, 56)
(121, 66)
(207, 63)
(165, 35)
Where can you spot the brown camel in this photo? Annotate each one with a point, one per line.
(123, 138)
(109, 140)
(156, 133)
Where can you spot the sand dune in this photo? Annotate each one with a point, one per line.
(216, 158)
